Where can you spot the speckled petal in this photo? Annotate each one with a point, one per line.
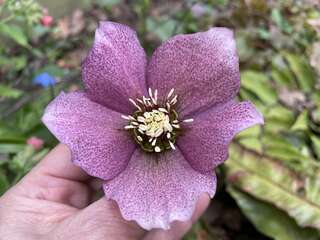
(202, 67)
(155, 190)
(114, 70)
(205, 142)
(93, 133)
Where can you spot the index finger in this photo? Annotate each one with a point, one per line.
(58, 164)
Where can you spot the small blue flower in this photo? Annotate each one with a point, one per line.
(44, 79)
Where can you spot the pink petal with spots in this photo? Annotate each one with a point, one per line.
(202, 67)
(114, 70)
(155, 190)
(95, 134)
(205, 142)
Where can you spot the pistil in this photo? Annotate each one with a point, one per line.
(155, 124)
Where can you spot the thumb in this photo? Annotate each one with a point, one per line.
(105, 215)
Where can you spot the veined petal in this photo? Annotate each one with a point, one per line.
(203, 69)
(155, 190)
(205, 143)
(114, 70)
(94, 134)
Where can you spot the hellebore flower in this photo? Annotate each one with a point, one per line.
(44, 79)
(154, 131)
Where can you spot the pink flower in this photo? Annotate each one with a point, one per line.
(46, 19)
(35, 142)
(154, 130)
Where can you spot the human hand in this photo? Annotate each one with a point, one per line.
(56, 201)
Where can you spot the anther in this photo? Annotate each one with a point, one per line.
(170, 93)
(190, 120)
(157, 149)
(129, 127)
(135, 104)
(172, 145)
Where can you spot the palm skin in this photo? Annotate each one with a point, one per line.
(56, 201)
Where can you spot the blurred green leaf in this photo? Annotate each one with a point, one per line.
(270, 220)
(11, 148)
(162, 28)
(16, 63)
(301, 122)
(15, 33)
(8, 134)
(302, 70)
(281, 73)
(316, 145)
(268, 180)
(108, 3)
(4, 183)
(252, 143)
(259, 84)
(254, 131)
(278, 118)
(6, 91)
(280, 21)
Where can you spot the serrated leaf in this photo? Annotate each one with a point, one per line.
(302, 70)
(268, 180)
(259, 84)
(15, 33)
(270, 220)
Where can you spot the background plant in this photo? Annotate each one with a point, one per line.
(270, 186)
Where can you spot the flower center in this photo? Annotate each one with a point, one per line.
(155, 124)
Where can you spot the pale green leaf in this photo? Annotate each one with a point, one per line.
(270, 220)
(301, 122)
(268, 180)
(9, 92)
(316, 145)
(15, 33)
(302, 70)
(259, 84)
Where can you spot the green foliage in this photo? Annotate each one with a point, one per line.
(268, 180)
(259, 84)
(15, 33)
(302, 70)
(6, 91)
(29, 10)
(270, 220)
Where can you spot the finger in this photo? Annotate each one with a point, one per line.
(179, 229)
(104, 216)
(56, 179)
(58, 164)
